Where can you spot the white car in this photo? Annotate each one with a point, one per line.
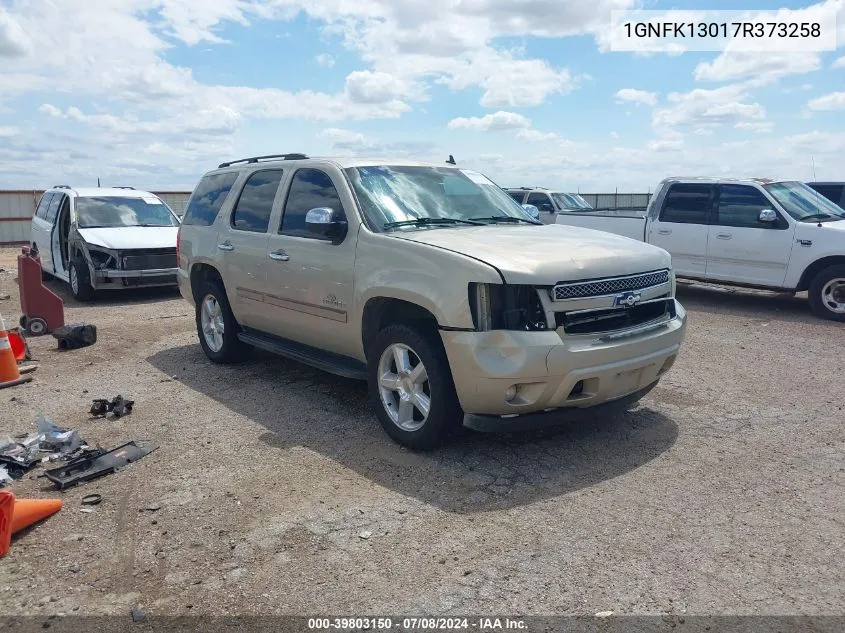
(105, 238)
(774, 235)
(548, 202)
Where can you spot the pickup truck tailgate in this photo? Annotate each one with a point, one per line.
(631, 226)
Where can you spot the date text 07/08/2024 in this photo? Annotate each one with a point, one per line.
(415, 624)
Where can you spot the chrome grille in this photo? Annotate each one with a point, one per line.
(602, 287)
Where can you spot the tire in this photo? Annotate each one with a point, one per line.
(79, 280)
(827, 293)
(223, 347)
(417, 432)
(35, 327)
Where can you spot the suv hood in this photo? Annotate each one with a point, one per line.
(545, 255)
(128, 237)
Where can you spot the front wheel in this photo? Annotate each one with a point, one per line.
(827, 293)
(79, 279)
(411, 385)
(217, 327)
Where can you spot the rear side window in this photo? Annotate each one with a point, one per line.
(310, 189)
(252, 211)
(53, 208)
(539, 199)
(41, 210)
(208, 197)
(687, 204)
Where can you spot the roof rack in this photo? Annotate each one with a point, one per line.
(255, 159)
(61, 187)
(118, 187)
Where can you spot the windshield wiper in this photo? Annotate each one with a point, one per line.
(816, 216)
(429, 222)
(505, 219)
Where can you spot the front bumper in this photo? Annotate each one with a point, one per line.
(112, 279)
(549, 370)
(128, 274)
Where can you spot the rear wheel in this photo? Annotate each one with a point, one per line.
(411, 385)
(217, 327)
(79, 279)
(827, 293)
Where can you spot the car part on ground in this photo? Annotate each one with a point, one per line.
(98, 464)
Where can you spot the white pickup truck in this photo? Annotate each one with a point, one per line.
(774, 235)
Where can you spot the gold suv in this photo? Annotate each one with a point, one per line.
(431, 283)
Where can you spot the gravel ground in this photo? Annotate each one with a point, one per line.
(278, 492)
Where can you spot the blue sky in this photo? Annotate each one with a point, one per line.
(151, 93)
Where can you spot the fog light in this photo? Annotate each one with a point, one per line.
(510, 393)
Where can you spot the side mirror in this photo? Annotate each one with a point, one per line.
(532, 211)
(327, 222)
(768, 215)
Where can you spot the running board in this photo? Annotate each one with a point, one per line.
(326, 361)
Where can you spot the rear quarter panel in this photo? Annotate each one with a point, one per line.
(627, 225)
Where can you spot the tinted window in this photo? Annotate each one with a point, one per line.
(831, 192)
(252, 211)
(687, 204)
(41, 211)
(53, 209)
(517, 195)
(538, 199)
(740, 206)
(311, 188)
(208, 197)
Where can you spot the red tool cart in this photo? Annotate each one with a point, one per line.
(43, 310)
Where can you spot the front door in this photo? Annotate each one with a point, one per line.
(242, 246)
(740, 247)
(310, 279)
(544, 203)
(42, 230)
(681, 227)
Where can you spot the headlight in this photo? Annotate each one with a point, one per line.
(102, 259)
(506, 307)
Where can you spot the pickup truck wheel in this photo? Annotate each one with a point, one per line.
(79, 280)
(217, 327)
(411, 384)
(827, 293)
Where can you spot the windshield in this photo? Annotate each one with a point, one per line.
(801, 201)
(570, 201)
(114, 211)
(392, 193)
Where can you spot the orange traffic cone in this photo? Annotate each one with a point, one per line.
(16, 514)
(9, 374)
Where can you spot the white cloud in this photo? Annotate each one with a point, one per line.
(50, 110)
(325, 60)
(832, 101)
(14, 42)
(536, 135)
(633, 95)
(758, 68)
(343, 138)
(7, 131)
(367, 86)
(755, 126)
(703, 108)
(496, 122)
(839, 63)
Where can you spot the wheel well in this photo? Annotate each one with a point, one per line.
(816, 267)
(381, 312)
(200, 273)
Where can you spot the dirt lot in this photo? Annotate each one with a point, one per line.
(720, 494)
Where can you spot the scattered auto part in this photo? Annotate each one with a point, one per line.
(76, 335)
(117, 406)
(91, 467)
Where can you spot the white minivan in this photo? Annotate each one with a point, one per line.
(105, 238)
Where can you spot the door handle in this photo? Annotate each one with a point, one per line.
(279, 256)
(724, 236)
(226, 246)
(665, 231)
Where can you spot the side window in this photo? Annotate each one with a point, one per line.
(208, 197)
(43, 203)
(53, 209)
(687, 204)
(254, 205)
(740, 206)
(517, 195)
(538, 200)
(310, 189)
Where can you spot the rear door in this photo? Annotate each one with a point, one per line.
(40, 231)
(682, 227)
(544, 203)
(242, 246)
(310, 279)
(740, 247)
